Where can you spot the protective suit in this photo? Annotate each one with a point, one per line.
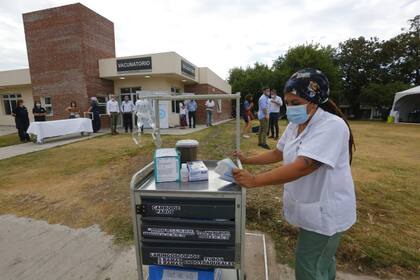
(145, 115)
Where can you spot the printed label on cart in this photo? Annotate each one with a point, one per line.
(185, 233)
(166, 209)
(189, 262)
(179, 275)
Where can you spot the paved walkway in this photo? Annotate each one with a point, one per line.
(30, 147)
(7, 129)
(21, 149)
(36, 250)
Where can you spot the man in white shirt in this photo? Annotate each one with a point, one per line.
(127, 109)
(274, 108)
(113, 109)
(209, 109)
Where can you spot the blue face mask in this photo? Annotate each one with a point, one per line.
(297, 114)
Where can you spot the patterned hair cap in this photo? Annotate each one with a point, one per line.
(310, 84)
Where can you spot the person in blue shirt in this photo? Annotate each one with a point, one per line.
(192, 109)
(263, 117)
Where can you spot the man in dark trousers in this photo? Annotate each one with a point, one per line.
(127, 109)
(22, 121)
(192, 109)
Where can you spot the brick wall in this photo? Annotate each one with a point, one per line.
(64, 45)
(201, 111)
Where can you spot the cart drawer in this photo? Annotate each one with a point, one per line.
(180, 255)
(187, 208)
(188, 230)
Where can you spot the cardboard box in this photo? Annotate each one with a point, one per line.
(167, 165)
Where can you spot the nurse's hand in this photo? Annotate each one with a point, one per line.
(240, 156)
(244, 178)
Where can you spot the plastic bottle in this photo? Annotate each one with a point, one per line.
(184, 173)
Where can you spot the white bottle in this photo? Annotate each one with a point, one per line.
(184, 173)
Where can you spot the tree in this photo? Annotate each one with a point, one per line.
(358, 60)
(402, 54)
(381, 95)
(309, 56)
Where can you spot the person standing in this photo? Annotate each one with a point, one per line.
(318, 195)
(127, 109)
(247, 115)
(112, 109)
(209, 109)
(39, 112)
(273, 123)
(22, 121)
(96, 118)
(192, 109)
(263, 116)
(74, 110)
(182, 116)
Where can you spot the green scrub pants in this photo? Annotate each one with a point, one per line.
(315, 255)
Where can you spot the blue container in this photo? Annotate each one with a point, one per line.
(156, 272)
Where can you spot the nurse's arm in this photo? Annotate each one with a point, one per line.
(302, 166)
(268, 157)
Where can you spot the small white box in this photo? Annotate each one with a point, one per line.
(197, 171)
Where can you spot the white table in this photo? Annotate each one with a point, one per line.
(47, 129)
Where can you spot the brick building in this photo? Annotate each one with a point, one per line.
(71, 53)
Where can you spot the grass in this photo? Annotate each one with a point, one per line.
(87, 183)
(9, 139)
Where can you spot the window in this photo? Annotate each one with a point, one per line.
(102, 104)
(175, 106)
(46, 102)
(175, 90)
(219, 105)
(10, 101)
(130, 90)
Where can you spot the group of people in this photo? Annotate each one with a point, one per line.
(20, 113)
(189, 108)
(269, 105)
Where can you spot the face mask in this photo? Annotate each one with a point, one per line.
(38, 105)
(297, 114)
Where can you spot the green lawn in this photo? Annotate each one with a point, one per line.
(87, 183)
(8, 140)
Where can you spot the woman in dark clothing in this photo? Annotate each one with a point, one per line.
(39, 112)
(22, 121)
(96, 119)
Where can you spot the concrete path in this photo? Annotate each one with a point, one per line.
(35, 250)
(21, 149)
(30, 147)
(7, 129)
(184, 131)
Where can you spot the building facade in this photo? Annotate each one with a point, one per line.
(71, 54)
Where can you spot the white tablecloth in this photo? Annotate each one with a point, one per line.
(58, 128)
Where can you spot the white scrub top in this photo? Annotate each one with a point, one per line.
(323, 201)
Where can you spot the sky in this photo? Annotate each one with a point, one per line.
(219, 34)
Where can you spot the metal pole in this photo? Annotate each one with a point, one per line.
(157, 120)
(238, 122)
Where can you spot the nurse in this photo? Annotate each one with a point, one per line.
(316, 149)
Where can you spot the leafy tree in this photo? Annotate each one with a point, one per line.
(381, 95)
(308, 56)
(402, 55)
(358, 60)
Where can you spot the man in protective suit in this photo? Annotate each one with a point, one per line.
(145, 115)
